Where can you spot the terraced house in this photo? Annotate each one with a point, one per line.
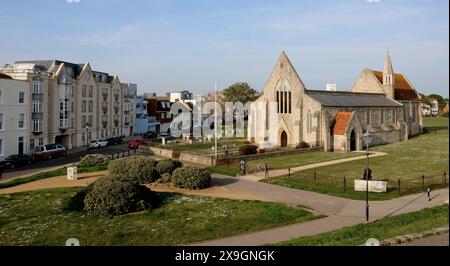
(71, 103)
(382, 102)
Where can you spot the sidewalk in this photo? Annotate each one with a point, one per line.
(284, 172)
(340, 212)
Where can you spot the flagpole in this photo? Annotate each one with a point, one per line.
(215, 119)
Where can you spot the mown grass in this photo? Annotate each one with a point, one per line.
(403, 224)
(435, 122)
(283, 161)
(53, 173)
(406, 161)
(37, 218)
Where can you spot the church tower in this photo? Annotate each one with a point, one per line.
(388, 77)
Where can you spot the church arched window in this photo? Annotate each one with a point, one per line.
(284, 98)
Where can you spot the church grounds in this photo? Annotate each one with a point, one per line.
(406, 161)
(385, 228)
(36, 218)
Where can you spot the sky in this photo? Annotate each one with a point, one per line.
(172, 45)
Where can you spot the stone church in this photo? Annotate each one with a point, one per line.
(383, 102)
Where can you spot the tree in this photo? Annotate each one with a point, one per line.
(439, 99)
(240, 92)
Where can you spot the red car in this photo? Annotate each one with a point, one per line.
(136, 143)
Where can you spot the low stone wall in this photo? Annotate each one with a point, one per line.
(198, 159)
(165, 153)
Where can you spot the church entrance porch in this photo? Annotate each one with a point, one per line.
(284, 139)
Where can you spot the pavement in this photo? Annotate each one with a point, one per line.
(437, 240)
(284, 172)
(340, 212)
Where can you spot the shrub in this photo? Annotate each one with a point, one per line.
(303, 145)
(76, 203)
(248, 149)
(167, 166)
(91, 160)
(135, 169)
(165, 178)
(191, 178)
(110, 197)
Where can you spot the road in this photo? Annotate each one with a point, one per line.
(437, 240)
(72, 157)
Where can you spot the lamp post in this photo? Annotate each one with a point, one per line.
(367, 137)
(87, 138)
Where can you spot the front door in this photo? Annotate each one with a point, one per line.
(284, 139)
(21, 145)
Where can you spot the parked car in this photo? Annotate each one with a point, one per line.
(150, 135)
(111, 141)
(99, 143)
(14, 161)
(49, 151)
(136, 143)
(118, 140)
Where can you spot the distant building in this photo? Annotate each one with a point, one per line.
(426, 109)
(159, 107)
(331, 87)
(144, 123)
(445, 110)
(434, 107)
(14, 127)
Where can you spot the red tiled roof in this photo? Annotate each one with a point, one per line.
(402, 88)
(340, 123)
(4, 76)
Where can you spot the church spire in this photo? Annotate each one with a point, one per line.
(388, 76)
(388, 69)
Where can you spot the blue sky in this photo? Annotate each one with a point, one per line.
(166, 45)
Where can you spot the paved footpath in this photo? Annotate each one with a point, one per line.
(284, 172)
(438, 240)
(340, 212)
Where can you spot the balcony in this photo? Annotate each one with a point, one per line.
(37, 96)
(37, 115)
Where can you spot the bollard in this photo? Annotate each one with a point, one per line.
(123, 154)
(289, 173)
(345, 184)
(112, 156)
(398, 186)
(129, 152)
(429, 194)
(423, 182)
(315, 177)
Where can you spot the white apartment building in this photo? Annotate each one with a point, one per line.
(71, 103)
(13, 116)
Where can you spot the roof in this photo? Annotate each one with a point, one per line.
(351, 99)
(4, 76)
(402, 88)
(340, 123)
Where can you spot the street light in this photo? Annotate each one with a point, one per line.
(367, 137)
(87, 138)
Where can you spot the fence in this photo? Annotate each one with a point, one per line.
(122, 154)
(402, 186)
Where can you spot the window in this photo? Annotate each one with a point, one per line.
(37, 86)
(41, 141)
(83, 91)
(83, 137)
(91, 91)
(83, 121)
(290, 102)
(31, 144)
(368, 117)
(91, 120)
(21, 97)
(37, 125)
(37, 106)
(83, 106)
(278, 102)
(1, 96)
(382, 116)
(1, 148)
(1, 121)
(21, 120)
(91, 106)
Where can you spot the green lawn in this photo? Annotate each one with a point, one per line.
(36, 218)
(435, 122)
(407, 160)
(383, 229)
(283, 161)
(57, 172)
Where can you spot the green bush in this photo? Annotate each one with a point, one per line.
(248, 150)
(191, 178)
(303, 145)
(167, 166)
(91, 160)
(110, 197)
(135, 169)
(76, 203)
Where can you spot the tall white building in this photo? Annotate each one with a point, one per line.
(14, 113)
(71, 104)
